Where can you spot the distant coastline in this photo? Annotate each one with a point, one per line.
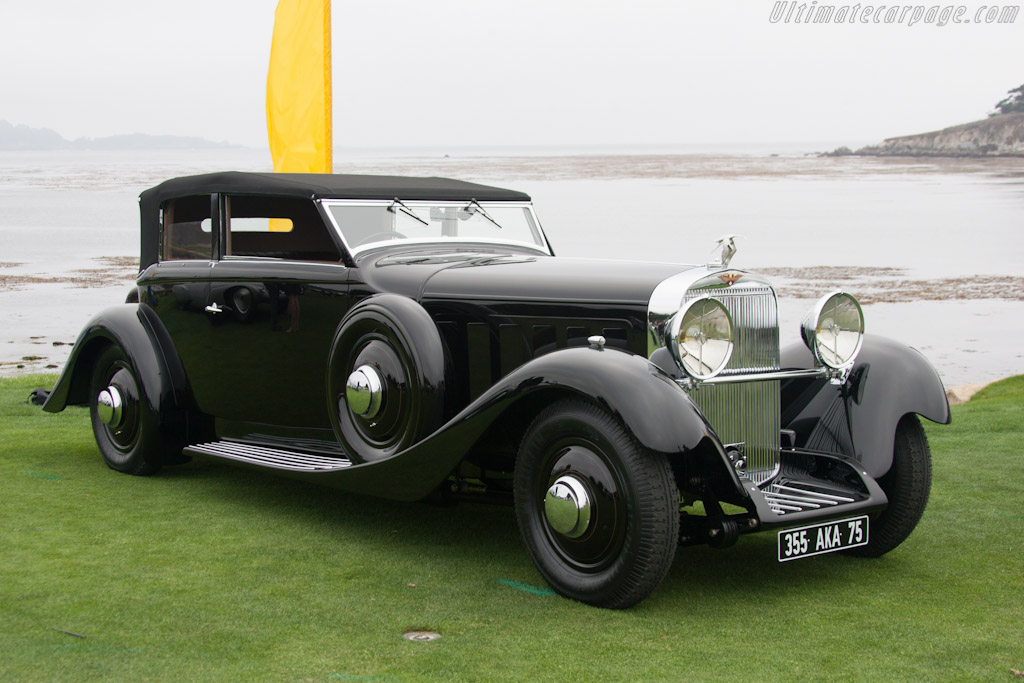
(18, 138)
(1001, 135)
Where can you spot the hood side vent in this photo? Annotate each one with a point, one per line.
(491, 352)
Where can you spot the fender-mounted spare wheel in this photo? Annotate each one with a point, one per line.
(386, 377)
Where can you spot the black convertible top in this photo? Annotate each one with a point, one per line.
(307, 185)
(323, 186)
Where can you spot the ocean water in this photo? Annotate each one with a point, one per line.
(931, 247)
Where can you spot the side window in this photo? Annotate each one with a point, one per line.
(186, 229)
(278, 227)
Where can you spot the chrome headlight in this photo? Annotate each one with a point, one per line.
(834, 330)
(701, 337)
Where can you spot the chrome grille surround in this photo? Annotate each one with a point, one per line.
(743, 413)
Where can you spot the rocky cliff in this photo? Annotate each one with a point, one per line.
(1001, 135)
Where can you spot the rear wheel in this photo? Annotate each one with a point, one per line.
(907, 485)
(599, 514)
(124, 427)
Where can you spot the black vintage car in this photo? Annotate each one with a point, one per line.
(416, 338)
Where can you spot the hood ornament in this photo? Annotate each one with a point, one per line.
(730, 278)
(727, 243)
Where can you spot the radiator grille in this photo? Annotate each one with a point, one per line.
(748, 413)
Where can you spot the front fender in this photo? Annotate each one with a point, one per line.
(888, 380)
(138, 331)
(654, 408)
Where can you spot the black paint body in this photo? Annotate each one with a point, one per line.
(498, 333)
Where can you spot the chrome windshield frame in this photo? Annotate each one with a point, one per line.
(355, 250)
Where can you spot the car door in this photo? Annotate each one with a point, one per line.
(277, 292)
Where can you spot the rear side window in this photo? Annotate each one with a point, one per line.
(277, 227)
(186, 229)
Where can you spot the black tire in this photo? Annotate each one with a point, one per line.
(626, 548)
(123, 445)
(907, 485)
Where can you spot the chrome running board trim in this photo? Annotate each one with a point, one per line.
(274, 458)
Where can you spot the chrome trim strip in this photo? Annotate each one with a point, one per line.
(838, 499)
(231, 258)
(689, 383)
(270, 457)
(786, 497)
(790, 497)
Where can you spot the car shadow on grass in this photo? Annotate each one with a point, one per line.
(486, 536)
(471, 531)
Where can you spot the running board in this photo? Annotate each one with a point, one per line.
(273, 458)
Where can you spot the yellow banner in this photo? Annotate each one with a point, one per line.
(299, 87)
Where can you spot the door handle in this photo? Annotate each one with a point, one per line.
(214, 308)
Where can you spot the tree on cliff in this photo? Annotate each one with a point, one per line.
(1013, 103)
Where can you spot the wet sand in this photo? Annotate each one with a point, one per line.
(696, 166)
(109, 270)
(892, 285)
(141, 169)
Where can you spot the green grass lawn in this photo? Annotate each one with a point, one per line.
(208, 572)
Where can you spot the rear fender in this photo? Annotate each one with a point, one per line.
(889, 380)
(140, 334)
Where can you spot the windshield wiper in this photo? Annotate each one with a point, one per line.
(405, 209)
(479, 209)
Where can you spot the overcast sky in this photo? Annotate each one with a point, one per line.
(523, 72)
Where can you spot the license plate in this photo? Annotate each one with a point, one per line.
(818, 539)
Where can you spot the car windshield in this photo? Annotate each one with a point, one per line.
(369, 224)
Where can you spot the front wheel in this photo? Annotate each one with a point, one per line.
(599, 514)
(123, 424)
(906, 484)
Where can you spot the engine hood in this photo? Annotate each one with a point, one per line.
(515, 277)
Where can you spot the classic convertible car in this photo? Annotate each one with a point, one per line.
(417, 338)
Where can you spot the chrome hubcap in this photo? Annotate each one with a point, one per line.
(110, 406)
(567, 507)
(364, 391)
